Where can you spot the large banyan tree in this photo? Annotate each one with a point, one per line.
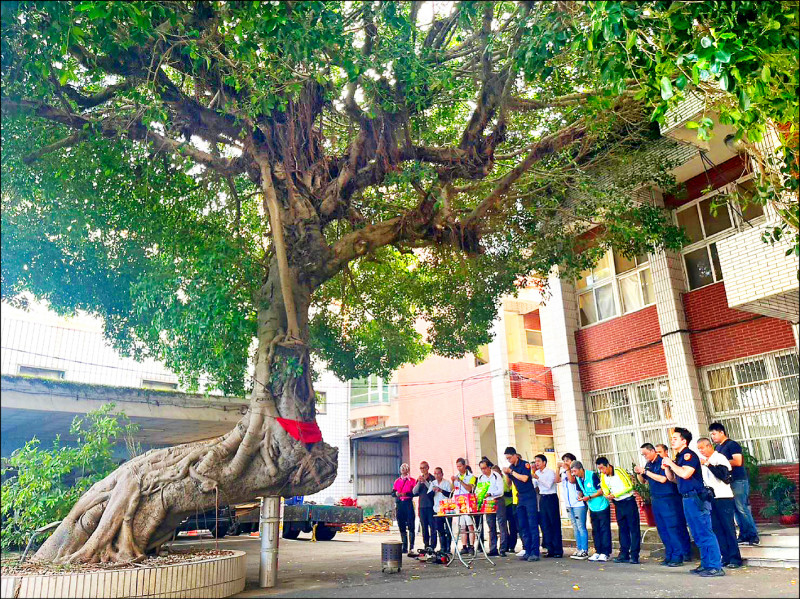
(234, 183)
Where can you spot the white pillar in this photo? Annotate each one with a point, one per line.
(559, 316)
(269, 531)
(501, 390)
(687, 402)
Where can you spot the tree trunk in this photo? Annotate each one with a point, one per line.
(138, 506)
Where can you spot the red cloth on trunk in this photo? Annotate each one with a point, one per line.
(307, 432)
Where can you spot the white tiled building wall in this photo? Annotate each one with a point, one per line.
(335, 426)
(76, 346)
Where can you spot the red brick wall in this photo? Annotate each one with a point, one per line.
(532, 321)
(539, 388)
(693, 188)
(622, 350)
(724, 334)
(543, 427)
(757, 502)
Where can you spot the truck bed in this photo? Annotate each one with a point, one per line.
(323, 513)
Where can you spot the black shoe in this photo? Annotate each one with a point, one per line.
(732, 566)
(698, 570)
(493, 553)
(548, 554)
(503, 554)
(413, 553)
(524, 558)
(635, 560)
(464, 551)
(712, 572)
(675, 564)
(621, 560)
(755, 543)
(688, 558)
(664, 562)
(533, 558)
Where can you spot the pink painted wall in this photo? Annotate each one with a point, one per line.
(433, 412)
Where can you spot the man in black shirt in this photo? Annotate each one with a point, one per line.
(740, 483)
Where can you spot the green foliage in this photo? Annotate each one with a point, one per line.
(750, 464)
(641, 489)
(779, 492)
(40, 485)
(173, 255)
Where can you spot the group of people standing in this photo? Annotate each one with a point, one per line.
(706, 493)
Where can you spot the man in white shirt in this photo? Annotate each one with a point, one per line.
(717, 475)
(498, 519)
(442, 489)
(544, 479)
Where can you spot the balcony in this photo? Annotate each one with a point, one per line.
(760, 277)
(532, 389)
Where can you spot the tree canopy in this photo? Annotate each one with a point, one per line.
(423, 158)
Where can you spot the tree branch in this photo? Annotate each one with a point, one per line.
(68, 141)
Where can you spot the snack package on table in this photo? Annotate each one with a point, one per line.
(489, 506)
(462, 504)
(481, 489)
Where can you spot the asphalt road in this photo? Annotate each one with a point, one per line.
(349, 567)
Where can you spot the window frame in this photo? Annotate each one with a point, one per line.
(743, 414)
(378, 392)
(737, 223)
(637, 427)
(321, 407)
(614, 280)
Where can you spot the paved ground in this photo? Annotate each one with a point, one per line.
(349, 567)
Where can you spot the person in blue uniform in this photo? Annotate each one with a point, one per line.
(667, 508)
(527, 512)
(696, 505)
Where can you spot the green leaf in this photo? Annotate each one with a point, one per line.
(722, 56)
(765, 73)
(695, 75)
(724, 82)
(691, 125)
(744, 99)
(681, 82)
(666, 88)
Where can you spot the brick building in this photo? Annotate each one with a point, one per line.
(633, 348)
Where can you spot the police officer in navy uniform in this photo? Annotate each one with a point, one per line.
(696, 505)
(667, 508)
(527, 511)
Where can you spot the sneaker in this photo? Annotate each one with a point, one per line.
(621, 560)
(533, 558)
(675, 564)
(503, 554)
(755, 543)
(603, 558)
(698, 570)
(743, 542)
(635, 560)
(464, 550)
(413, 553)
(688, 558)
(520, 553)
(579, 555)
(493, 553)
(732, 566)
(523, 558)
(712, 572)
(595, 557)
(664, 562)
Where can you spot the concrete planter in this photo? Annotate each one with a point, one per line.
(221, 576)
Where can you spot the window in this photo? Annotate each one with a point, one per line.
(369, 391)
(756, 399)
(534, 346)
(161, 385)
(624, 417)
(321, 402)
(616, 284)
(706, 221)
(42, 373)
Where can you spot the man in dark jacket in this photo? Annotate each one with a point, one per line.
(424, 490)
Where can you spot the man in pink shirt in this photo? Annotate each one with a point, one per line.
(403, 493)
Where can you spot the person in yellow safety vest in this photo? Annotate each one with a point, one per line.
(618, 487)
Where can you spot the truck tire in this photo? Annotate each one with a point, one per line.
(289, 533)
(219, 530)
(325, 533)
(235, 530)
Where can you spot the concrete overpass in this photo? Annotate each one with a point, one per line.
(45, 408)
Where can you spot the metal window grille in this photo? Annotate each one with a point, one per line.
(625, 417)
(756, 399)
